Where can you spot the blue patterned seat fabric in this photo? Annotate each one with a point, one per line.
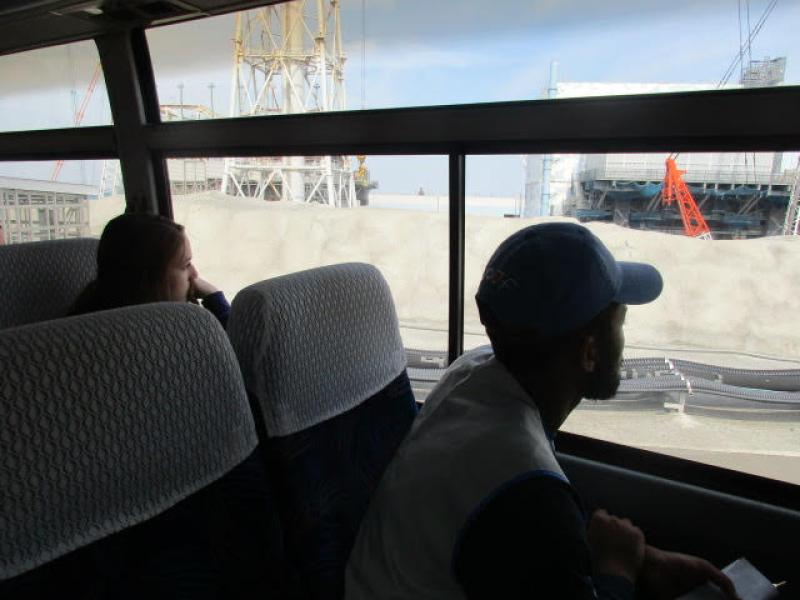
(324, 477)
(324, 364)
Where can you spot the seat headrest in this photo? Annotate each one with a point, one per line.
(107, 420)
(317, 343)
(41, 280)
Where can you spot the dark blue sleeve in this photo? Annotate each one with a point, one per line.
(219, 307)
(529, 541)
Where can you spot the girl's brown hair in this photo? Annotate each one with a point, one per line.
(134, 254)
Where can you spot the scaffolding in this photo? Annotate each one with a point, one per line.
(791, 223)
(111, 179)
(288, 58)
(194, 175)
(764, 73)
(33, 211)
(186, 175)
(741, 195)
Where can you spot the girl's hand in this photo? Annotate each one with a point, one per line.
(200, 289)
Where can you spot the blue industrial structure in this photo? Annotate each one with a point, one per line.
(732, 211)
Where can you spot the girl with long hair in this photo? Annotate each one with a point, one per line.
(147, 258)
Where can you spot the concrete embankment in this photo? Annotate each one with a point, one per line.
(736, 296)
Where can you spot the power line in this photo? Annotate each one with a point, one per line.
(741, 62)
(363, 54)
(749, 45)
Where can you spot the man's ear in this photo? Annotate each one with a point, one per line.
(589, 354)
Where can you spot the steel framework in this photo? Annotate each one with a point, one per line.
(791, 225)
(110, 179)
(676, 190)
(289, 59)
(28, 215)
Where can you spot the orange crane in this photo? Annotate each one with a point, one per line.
(676, 190)
(79, 114)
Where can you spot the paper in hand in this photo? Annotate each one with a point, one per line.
(749, 582)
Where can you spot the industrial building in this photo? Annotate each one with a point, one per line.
(740, 194)
(33, 210)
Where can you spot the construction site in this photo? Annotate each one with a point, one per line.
(732, 195)
(32, 210)
(290, 59)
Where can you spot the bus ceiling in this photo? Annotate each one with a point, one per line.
(26, 25)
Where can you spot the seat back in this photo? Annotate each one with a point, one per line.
(323, 360)
(128, 467)
(41, 280)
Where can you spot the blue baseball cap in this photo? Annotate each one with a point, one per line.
(554, 278)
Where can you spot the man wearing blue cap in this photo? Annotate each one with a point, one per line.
(475, 504)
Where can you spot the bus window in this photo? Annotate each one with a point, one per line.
(50, 88)
(36, 206)
(711, 370)
(254, 218)
(288, 58)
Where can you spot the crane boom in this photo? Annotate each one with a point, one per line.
(78, 117)
(676, 190)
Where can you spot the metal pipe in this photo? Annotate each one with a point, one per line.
(457, 173)
(547, 161)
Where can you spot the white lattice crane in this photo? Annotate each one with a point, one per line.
(791, 224)
(289, 58)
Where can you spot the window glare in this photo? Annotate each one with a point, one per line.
(56, 87)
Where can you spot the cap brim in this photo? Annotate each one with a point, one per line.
(641, 283)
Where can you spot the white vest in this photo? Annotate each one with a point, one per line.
(477, 430)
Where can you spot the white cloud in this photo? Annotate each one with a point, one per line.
(418, 57)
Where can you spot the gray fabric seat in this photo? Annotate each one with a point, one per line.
(112, 425)
(317, 343)
(325, 367)
(41, 280)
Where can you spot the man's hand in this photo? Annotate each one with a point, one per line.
(667, 575)
(200, 289)
(616, 545)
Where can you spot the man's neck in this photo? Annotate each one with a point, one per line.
(554, 394)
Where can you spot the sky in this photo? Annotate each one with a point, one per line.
(416, 52)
